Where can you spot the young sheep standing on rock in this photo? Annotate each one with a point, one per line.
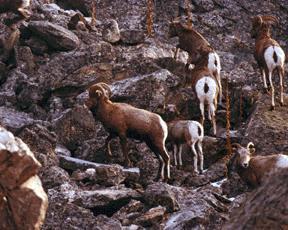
(193, 42)
(125, 121)
(191, 133)
(253, 169)
(206, 89)
(268, 54)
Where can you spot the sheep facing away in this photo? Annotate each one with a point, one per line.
(253, 169)
(194, 43)
(191, 133)
(268, 53)
(206, 88)
(125, 121)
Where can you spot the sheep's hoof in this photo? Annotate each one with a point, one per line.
(281, 103)
(196, 173)
(201, 172)
(272, 107)
(266, 90)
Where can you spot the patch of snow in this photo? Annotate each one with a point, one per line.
(218, 184)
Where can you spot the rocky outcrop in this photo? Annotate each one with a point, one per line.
(57, 37)
(23, 202)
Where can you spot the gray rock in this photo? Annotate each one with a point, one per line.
(132, 37)
(74, 126)
(161, 194)
(111, 32)
(57, 37)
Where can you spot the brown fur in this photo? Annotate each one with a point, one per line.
(125, 121)
(190, 40)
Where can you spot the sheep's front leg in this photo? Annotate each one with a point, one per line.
(176, 52)
(180, 156)
(124, 146)
(175, 154)
(202, 113)
(201, 157)
(107, 144)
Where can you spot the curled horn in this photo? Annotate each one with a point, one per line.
(106, 87)
(251, 147)
(270, 18)
(94, 88)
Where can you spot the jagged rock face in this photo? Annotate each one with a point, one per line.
(264, 208)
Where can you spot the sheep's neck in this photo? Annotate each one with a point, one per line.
(264, 33)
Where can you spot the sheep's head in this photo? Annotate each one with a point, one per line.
(174, 27)
(99, 91)
(243, 155)
(261, 22)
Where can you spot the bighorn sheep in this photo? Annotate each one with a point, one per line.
(206, 89)
(189, 132)
(268, 53)
(124, 120)
(193, 42)
(16, 6)
(252, 169)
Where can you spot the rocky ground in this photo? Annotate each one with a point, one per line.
(43, 90)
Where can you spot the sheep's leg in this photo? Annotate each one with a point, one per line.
(175, 154)
(200, 155)
(264, 80)
(123, 141)
(107, 144)
(202, 113)
(281, 74)
(218, 77)
(176, 52)
(194, 158)
(272, 91)
(211, 113)
(180, 155)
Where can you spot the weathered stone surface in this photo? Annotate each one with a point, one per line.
(105, 197)
(38, 46)
(74, 126)
(111, 32)
(19, 185)
(104, 174)
(57, 37)
(264, 208)
(161, 194)
(132, 37)
(152, 217)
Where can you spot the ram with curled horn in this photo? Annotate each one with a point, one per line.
(268, 54)
(125, 121)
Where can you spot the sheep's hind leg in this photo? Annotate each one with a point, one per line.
(272, 91)
(195, 162)
(200, 155)
(281, 74)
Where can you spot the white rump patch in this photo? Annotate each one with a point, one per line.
(282, 161)
(212, 59)
(200, 89)
(268, 55)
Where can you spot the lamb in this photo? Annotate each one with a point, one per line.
(206, 89)
(16, 6)
(252, 169)
(125, 121)
(193, 42)
(191, 133)
(268, 53)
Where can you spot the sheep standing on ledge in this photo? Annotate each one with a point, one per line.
(125, 121)
(191, 133)
(253, 169)
(193, 42)
(268, 53)
(206, 89)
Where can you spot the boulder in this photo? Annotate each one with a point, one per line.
(264, 208)
(57, 37)
(152, 217)
(74, 126)
(111, 32)
(20, 185)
